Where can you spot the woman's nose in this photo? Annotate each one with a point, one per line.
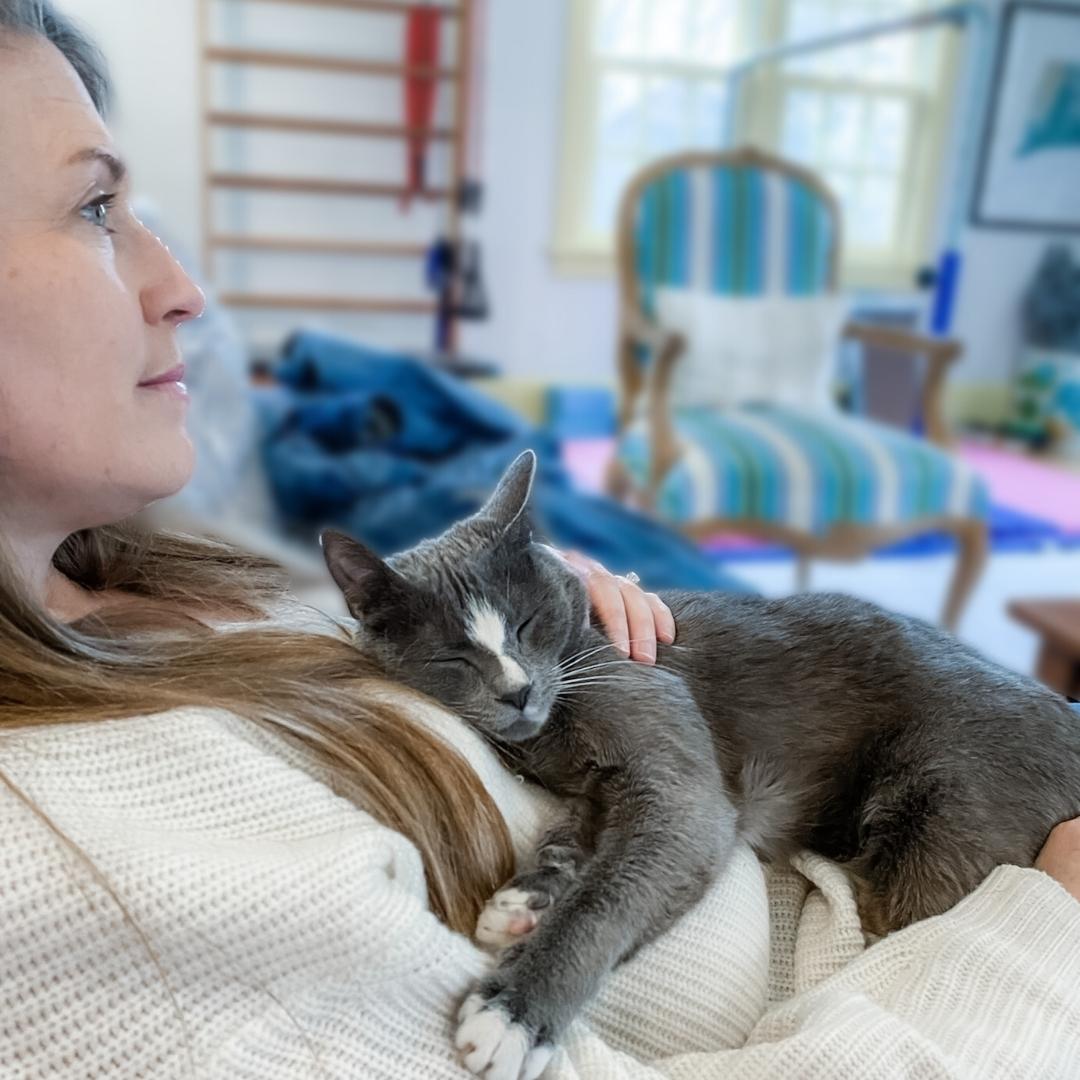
(171, 296)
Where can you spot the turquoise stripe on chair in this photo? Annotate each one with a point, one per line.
(754, 463)
(734, 226)
(849, 480)
(664, 235)
(810, 238)
(764, 489)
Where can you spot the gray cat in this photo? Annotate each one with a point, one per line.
(817, 721)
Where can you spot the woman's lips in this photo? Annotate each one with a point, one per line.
(168, 384)
(174, 375)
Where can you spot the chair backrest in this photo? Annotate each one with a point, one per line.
(734, 223)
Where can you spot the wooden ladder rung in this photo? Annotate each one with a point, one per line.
(314, 185)
(386, 305)
(384, 7)
(317, 246)
(323, 126)
(312, 61)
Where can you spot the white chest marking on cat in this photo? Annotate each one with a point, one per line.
(487, 628)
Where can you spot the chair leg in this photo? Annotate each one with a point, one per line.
(802, 573)
(972, 539)
(617, 482)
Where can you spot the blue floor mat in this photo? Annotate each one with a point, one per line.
(1010, 530)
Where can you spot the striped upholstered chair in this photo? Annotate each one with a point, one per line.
(741, 248)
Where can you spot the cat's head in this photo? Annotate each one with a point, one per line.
(477, 618)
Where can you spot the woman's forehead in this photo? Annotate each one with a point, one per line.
(47, 120)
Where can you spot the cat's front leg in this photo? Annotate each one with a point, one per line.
(653, 861)
(517, 908)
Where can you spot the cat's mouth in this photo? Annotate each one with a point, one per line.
(520, 729)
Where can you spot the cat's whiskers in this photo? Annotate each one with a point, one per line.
(609, 675)
(570, 662)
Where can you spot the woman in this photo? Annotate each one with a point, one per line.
(230, 850)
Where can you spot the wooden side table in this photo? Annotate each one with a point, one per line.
(1058, 623)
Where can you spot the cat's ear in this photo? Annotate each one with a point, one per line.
(365, 580)
(507, 508)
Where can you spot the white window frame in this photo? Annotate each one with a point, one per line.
(577, 253)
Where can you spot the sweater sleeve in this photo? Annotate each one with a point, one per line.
(989, 989)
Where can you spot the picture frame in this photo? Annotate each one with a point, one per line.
(1029, 162)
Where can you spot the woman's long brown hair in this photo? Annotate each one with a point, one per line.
(154, 653)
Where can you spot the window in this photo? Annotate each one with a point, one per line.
(646, 78)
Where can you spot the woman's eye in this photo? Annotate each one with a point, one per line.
(99, 211)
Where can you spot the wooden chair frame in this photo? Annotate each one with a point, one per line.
(845, 541)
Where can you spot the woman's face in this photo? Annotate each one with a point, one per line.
(89, 305)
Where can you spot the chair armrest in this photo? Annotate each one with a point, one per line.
(939, 352)
(639, 329)
(636, 329)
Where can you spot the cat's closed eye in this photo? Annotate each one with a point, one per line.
(461, 663)
(521, 628)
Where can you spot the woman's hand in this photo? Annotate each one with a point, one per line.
(1060, 856)
(632, 618)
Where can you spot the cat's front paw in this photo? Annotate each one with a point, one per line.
(496, 1047)
(513, 912)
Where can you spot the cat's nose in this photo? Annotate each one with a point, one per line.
(518, 698)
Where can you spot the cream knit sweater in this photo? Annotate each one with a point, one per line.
(291, 939)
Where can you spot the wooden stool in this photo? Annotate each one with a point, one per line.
(1058, 623)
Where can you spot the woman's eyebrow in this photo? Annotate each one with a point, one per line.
(117, 169)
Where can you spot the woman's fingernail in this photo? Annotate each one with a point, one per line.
(666, 636)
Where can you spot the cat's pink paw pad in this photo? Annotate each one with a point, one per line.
(506, 919)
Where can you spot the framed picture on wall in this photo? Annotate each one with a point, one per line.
(1029, 166)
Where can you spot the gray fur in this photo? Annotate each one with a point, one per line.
(817, 721)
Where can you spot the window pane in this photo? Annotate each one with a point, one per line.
(882, 59)
(889, 59)
(873, 213)
(612, 173)
(619, 27)
(712, 31)
(808, 19)
(844, 185)
(887, 134)
(667, 110)
(620, 111)
(666, 33)
(844, 129)
(804, 114)
(710, 103)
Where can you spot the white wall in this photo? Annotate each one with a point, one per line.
(560, 327)
(151, 50)
(998, 266)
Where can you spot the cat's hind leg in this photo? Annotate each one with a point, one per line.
(917, 854)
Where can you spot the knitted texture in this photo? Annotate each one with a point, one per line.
(277, 932)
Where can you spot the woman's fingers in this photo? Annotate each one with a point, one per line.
(605, 597)
(664, 620)
(641, 620)
(632, 618)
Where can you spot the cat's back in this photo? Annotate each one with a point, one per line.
(801, 635)
(859, 665)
